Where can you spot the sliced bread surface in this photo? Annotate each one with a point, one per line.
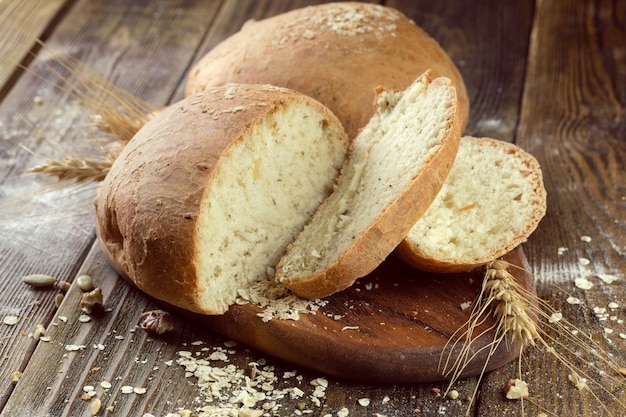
(491, 202)
(207, 195)
(394, 170)
(337, 53)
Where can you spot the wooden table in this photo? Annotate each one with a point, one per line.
(548, 75)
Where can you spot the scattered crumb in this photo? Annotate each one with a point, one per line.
(580, 383)
(516, 389)
(561, 250)
(11, 320)
(343, 412)
(466, 305)
(156, 322)
(15, 377)
(613, 305)
(584, 261)
(364, 402)
(585, 239)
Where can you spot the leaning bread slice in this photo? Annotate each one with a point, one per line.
(491, 202)
(394, 170)
(206, 196)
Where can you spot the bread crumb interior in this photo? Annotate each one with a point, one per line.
(266, 188)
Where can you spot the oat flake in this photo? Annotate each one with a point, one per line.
(583, 283)
(607, 278)
(127, 389)
(573, 300)
(555, 317)
(11, 320)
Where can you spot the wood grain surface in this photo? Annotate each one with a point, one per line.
(548, 75)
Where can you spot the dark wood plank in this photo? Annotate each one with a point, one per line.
(48, 229)
(490, 56)
(22, 23)
(572, 120)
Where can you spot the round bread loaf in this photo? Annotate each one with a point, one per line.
(491, 202)
(206, 196)
(337, 53)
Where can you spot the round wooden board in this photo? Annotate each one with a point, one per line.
(391, 326)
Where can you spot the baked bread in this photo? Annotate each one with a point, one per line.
(206, 196)
(337, 53)
(491, 202)
(394, 170)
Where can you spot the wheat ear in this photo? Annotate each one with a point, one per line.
(523, 317)
(76, 169)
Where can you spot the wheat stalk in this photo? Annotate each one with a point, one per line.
(522, 317)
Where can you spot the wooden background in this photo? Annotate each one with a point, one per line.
(548, 75)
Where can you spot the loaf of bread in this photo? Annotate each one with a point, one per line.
(491, 202)
(206, 196)
(337, 53)
(394, 170)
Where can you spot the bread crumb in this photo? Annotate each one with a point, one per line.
(11, 320)
(584, 261)
(562, 250)
(580, 383)
(15, 377)
(364, 402)
(585, 239)
(516, 389)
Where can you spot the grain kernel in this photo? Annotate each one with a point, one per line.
(452, 394)
(64, 286)
(39, 280)
(85, 283)
(58, 299)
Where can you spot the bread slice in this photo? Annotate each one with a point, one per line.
(207, 195)
(491, 202)
(395, 168)
(337, 53)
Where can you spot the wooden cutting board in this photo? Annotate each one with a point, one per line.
(391, 326)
